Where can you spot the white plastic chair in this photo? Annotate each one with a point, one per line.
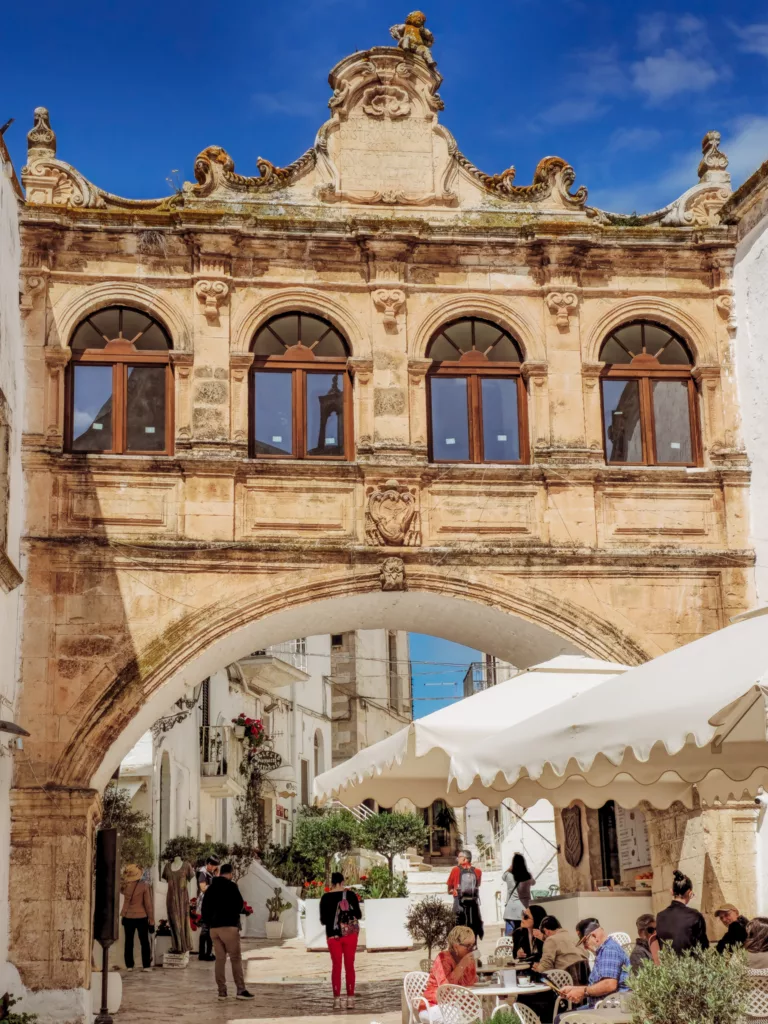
(561, 979)
(526, 1014)
(609, 1003)
(623, 940)
(757, 997)
(458, 1005)
(414, 984)
(505, 944)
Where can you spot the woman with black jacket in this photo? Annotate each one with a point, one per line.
(679, 926)
(340, 912)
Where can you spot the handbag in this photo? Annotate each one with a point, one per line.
(345, 921)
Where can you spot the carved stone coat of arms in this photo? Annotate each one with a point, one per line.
(392, 516)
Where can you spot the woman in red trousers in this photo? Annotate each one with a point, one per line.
(340, 913)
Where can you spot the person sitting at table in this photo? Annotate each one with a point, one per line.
(647, 945)
(757, 944)
(454, 966)
(527, 939)
(610, 971)
(736, 925)
(559, 951)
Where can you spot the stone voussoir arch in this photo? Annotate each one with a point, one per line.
(145, 671)
(487, 307)
(76, 304)
(701, 343)
(250, 316)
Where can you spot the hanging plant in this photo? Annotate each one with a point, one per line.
(253, 731)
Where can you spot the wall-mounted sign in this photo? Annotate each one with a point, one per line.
(281, 812)
(632, 837)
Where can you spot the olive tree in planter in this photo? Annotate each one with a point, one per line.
(429, 921)
(391, 834)
(275, 907)
(705, 987)
(320, 835)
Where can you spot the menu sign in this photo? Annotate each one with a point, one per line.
(632, 836)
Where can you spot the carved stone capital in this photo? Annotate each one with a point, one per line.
(390, 302)
(392, 574)
(706, 372)
(562, 305)
(55, 356)
(182, 362)
(361, 369)
(239, 365)
(212, 294)
(418, 370)
(726, 307)
(31, 286)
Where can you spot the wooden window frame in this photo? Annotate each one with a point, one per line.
(120, 354)
(301, 364)
(474, 375)
(646, 369)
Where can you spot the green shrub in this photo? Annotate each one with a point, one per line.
(138, 850)
(392, 834)
(705, 987)
(181, 846)
(429, 921)
(9, 1017)
(378, 884)
(325, 835)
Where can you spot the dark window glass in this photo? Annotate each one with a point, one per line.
(471, 334)
(613, 352)
(92, 409)
(672, 421)
(283, 332)
(325, 414)
(673, 354)
(145, 408)
(501, 441)
(621, 420)
(450, 422)
(273, 413)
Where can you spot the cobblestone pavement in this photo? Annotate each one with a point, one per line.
(288, 983)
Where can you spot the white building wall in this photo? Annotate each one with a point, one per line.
(12, 388)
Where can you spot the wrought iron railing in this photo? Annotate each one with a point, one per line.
(220, 752)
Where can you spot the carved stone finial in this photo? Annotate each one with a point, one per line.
(392, 574)
(41, 138)
(714, 164)
(391, 516)
(414, 36)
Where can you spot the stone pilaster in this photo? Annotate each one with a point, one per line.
(56, 360)
(417, 393)
(714, 846)
(51, 875)
(362, 372)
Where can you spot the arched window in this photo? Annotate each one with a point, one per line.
(649, 397)
(120, 385)
(476, 395)
(300, 390)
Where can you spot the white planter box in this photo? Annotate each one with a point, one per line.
(274, 929)
(385, 924)
(314, 932)
(114, 991)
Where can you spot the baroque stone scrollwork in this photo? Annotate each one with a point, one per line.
(31, 284)
(712, 159)
(212, 294)
(214, 168)
(386, 101)
(392, 516)
(726, 307)
(392, 574)
(389, 301)
(553, 177)
(561, 306)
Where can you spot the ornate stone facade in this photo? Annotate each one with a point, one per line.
(147, 572)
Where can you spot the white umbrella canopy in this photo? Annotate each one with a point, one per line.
(691, 720)
(422, 760)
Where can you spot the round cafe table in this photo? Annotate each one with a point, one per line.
(486, 993)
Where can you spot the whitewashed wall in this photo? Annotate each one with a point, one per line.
(12, 386)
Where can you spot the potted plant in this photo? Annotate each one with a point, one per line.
(250, 729)
(314, 933)
(429, 921)
(385, 902)
(275, 907)
(445, 820)
(705, 987)
(393, 834)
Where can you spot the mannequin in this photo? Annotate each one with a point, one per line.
(178, 873)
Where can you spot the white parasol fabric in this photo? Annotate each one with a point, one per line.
(695, 717)
(422, 761)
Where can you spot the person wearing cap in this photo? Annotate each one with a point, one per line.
(138, 915)
(736, 925)
(611, 968)
(647, 945)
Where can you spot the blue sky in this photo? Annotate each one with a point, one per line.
(624, 91)
(438, 668)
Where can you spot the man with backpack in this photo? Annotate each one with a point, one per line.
(464, 886)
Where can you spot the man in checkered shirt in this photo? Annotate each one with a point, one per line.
(609, 974)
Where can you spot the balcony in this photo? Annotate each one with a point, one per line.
(482, 674)
(220, 757)
(275, 667)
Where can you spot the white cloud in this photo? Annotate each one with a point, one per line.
(672, 73)
(599, 74)
(650, 29)
(753, 38)
(746, 146)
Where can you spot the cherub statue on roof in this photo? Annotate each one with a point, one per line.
(415, 37)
